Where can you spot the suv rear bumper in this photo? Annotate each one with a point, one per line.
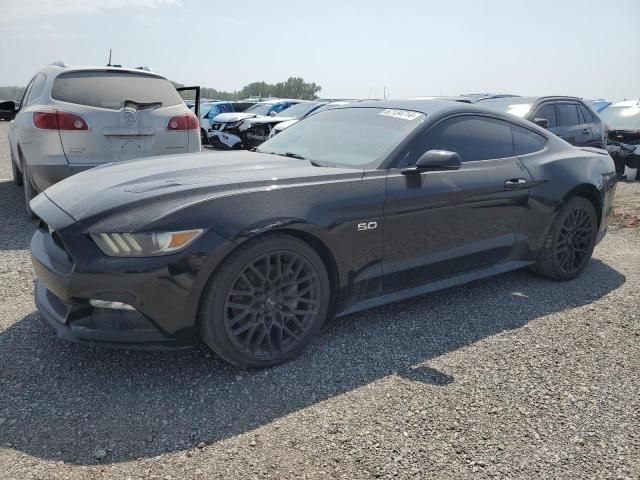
(45, 175)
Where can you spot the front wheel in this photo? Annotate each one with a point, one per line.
(204, 140)
(569, 243)
(266, 302)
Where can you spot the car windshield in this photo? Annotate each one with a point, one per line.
(346, 137)
(514, 105)
(622, 118)
(260, 109)
(297, 111)
(110, 89)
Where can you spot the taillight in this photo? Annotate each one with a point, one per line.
(54, 120)
(186, 121)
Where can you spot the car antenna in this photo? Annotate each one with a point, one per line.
(109, 64)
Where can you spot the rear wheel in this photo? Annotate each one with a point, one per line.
(266, 302)
(570, 241)
(16, 173)
(204, 140)
(29, 192)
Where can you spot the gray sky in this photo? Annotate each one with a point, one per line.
(585, 48)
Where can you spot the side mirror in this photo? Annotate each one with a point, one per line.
(543, 122)
(8, 106)
(272, 113)
(435, 160)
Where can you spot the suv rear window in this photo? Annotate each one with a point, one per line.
(108, 89)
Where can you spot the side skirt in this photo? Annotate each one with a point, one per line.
(434, 286)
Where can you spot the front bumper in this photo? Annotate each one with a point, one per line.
(224, 141)
(100, 326)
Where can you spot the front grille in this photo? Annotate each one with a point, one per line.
(57, 240)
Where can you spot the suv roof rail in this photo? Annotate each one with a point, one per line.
(560, 96)
(58, 63)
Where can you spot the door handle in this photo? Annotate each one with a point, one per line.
(586, 131)
(515, 183)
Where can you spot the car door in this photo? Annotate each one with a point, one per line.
(569, 125)
(442, 223)
(595, 126)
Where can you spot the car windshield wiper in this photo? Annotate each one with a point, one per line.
(293, 155)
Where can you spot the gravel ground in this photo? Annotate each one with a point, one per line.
(511, 377)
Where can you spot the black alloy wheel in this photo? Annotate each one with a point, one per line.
(272, 304)
(266, 302)
(569, 243)
(575, 238)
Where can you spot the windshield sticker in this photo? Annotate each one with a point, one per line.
(404, 114)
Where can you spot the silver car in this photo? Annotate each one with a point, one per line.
(74, 118)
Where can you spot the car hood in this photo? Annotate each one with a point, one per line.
(233, 117)
(139, 192)
(286, 124)
(271, 119)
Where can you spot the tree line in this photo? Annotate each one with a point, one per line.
(293, 87)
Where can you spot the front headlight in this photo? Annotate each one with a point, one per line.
(144, 244)
(233, 124)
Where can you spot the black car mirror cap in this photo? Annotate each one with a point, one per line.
(435, 160)
(542, 122)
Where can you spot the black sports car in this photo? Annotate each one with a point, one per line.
(350, 208)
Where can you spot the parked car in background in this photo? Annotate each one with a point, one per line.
(75, 118)
(225, 130)
(623, 123)
(7, 110)
(257, 129)
(597, 105)
(279, 127)
(210, 110)
(253, 251)
(568, 117)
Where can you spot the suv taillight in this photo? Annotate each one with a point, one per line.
(186, 121)
(54, 120)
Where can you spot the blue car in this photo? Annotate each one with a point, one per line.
(597, 105)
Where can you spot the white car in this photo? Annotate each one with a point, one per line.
(75, 118)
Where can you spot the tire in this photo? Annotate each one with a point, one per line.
(569, 244)
(204, 140)
(266, 302)
(16, 173)
(29, 192)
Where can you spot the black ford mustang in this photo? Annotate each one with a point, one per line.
(351, 208)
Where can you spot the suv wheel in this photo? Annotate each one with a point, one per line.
(29, 192)
(16, 173)
(266, 302)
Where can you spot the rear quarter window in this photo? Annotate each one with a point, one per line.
(526, 141)
(109, 89)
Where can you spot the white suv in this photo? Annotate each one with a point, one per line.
(74, 118)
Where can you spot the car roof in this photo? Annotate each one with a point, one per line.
(524, 100)
(426, 106)
(627, 103)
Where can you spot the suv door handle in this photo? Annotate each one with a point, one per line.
(515, 183)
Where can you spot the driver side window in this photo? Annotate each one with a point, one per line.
(473, 137)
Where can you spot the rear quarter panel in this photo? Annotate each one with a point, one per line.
(561, 172)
